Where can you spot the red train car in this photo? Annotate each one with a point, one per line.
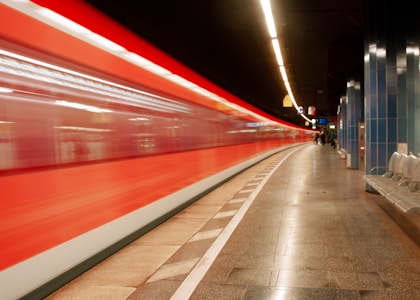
(102, 138)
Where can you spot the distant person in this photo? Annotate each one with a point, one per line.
(322, 136)
(316, 138)
(332, 139)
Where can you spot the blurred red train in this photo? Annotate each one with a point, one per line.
(98, 143)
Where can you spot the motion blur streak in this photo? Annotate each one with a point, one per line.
(94, 148)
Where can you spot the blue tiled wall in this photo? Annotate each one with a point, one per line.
(391, 83)
(354, 114)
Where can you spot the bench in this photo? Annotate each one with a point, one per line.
(400, 184)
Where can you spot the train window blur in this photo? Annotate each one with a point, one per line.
(53, 116)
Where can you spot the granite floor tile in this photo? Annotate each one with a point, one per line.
(311, 233)
(332, 239)
(94, 293)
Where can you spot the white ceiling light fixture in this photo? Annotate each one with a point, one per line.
(268, 14)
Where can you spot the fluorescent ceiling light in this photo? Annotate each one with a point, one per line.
(283, 73)
(277, 51)
(269, 18)
(268, 14)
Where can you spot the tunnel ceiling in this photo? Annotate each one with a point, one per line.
(227, 42)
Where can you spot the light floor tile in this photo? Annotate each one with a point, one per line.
(209, 234)
(175, 269)
(94, 293)
(238, 200)
(225, 214)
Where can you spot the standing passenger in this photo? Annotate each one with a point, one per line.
(322, 137)
(332, 139)
(316, 137)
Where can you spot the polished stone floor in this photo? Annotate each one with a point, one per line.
(298, 225)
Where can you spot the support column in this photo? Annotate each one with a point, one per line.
(354, 114)
(413, 98)
(380, 106)
(342, 127)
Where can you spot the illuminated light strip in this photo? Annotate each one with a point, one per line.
(5, 90)
(60, 22)
(145, 64)
(139, 119)
(82, 129)
(82, 106)
(181, 81)
(51, 73)
(22, 66)
(276, 47)
(271, 26)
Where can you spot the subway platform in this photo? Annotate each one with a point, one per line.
(298, 225)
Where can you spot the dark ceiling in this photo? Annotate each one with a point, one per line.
(227, 42)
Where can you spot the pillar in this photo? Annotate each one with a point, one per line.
(354, 114)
